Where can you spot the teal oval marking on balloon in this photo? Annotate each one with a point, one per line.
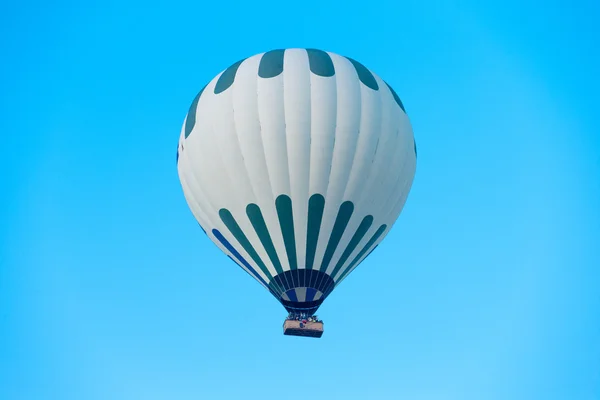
(365, 76)
(339, 226)
(373, 239)
(239, 235)
(260, 227)
(227, 77)
(356, 238)
(415, 146)
(320, 63)
(271, 64)
(190, 121)
(396, 97)
(316, 205)
(283, 204)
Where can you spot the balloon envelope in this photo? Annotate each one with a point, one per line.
(296, 163)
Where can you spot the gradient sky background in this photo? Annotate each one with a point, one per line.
(494, 289)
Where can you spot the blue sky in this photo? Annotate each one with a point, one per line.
(107, 283)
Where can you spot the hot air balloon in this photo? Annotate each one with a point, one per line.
(296, 163)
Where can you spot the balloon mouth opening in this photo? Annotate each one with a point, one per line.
(301, 290)
(302, 294)
(307, 307)
(302, 300)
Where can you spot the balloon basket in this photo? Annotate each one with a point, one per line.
(300, 328)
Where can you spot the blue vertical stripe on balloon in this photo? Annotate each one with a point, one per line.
(310, 293)
(292, 295)
(237, 255)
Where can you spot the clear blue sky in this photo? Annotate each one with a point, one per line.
(494, 265)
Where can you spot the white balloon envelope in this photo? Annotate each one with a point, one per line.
(296, 163)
